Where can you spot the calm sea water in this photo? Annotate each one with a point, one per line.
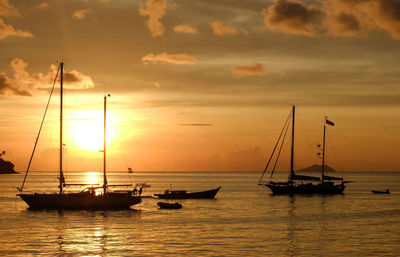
(241, 221)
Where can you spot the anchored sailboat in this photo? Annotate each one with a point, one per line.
(89, 198)
(301, 184)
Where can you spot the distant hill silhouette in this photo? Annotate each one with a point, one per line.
(6, 167)
(316, 168)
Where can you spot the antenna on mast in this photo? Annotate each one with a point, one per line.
(105, 144)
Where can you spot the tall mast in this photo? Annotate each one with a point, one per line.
(105, 145)
(61, 178)
(292, 151)
(323, 151)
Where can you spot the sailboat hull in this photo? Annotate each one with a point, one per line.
(309, 188)
(209, 194)
(80, 201)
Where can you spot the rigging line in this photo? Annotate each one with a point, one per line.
(279, 153)
(303, 132)
(130, 175)
(273, 151)
(40, 129)
(335, 156)
(121, 149)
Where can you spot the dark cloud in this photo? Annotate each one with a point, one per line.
(374, 14)
(345, 23)
(293, 17)
(334, 17)
(389, 16)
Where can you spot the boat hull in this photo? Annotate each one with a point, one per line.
(81, 201)
(163, 205)
(309, 188)
(209, 194)
(380, 192)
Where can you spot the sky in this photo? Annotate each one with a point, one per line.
(201, 85)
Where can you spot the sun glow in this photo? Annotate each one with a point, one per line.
(93, 178)
(87, 129)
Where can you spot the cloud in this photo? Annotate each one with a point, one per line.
(155, 9)
(253, 69)
(7, 30)
(196, 124)
(382, 14)
(334, 17)
(81, 14)
(186, 29)
(7, 9)
(345, 24)
(225, 29)
(389, 16)
(42, 5)
(7, 87)
(169, 58)
(24, 84)
(293, 17)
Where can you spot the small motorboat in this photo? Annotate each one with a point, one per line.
(181, 194)
(380, 192)
(164, 205)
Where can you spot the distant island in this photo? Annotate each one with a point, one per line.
(7, 167)
(316, 168)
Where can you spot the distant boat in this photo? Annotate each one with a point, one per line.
(381, 192)
(181, 194)
(301, 184)
(93, 196)
(164, 205)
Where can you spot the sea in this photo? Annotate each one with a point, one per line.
(243, 220)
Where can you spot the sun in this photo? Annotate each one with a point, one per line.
(87, 129)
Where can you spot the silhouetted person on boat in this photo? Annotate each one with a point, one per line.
(135, 191)
(92, 191)
(140, 190)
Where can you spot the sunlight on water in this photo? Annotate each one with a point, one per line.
(93, 178)
(241, 221)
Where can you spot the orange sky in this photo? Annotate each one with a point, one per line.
(202, 85)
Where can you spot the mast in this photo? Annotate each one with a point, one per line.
(292, 150)
(105, 145)
(61, 177)
(323, 151)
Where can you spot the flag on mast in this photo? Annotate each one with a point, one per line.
(329, 122)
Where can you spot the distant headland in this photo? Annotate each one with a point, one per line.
(7, 167)
(316, 168)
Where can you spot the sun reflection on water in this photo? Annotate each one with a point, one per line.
(92, 178)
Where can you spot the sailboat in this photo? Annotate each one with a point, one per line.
(93, 196)
(301, 184)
